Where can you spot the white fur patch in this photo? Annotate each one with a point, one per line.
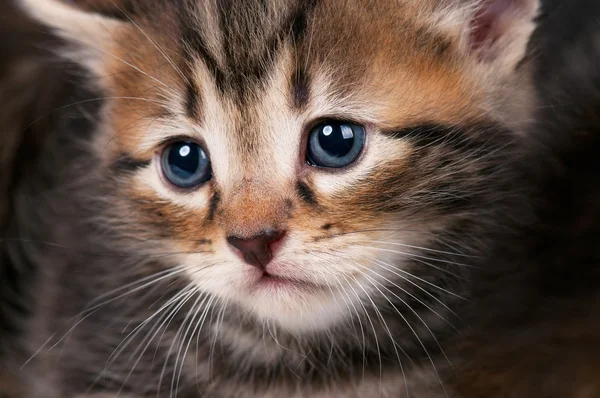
(93, 34)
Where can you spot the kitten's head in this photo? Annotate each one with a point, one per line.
(305, 160)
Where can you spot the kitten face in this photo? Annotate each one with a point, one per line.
(246, 86)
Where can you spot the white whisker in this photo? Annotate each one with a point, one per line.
(383, 264)
(195, 309)
(373, 282)
(167, 58)
(413, 255)
(424, 249)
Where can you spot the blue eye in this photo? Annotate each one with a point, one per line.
(335, 144)
(185, 164)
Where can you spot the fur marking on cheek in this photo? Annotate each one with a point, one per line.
(126, 164)
(214, 203)
(306, 194)
(458, 138)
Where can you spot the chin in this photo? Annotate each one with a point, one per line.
(297, 309)
(290, 302)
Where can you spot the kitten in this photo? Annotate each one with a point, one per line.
(272, 198)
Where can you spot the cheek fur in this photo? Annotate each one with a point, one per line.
(379, 153)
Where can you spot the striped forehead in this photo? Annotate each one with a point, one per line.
(240, 45)
(240, 42)
(249, 89)
(256, 140)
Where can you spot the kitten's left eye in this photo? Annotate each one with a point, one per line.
(185, 164)
(335, 144)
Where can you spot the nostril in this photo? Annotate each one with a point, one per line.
(241, 244)
(257, 249)
(272, 236)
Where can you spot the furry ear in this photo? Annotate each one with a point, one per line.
(92, 35)
(495, 32)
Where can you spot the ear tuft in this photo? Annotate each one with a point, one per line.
(499, 30)
(92, 35)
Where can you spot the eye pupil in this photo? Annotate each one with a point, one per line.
(186, 165)
(183, 161)
(337, 140)
(335, 144)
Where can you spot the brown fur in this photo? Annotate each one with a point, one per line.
(441, 179)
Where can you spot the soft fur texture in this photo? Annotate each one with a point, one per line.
(416, 271)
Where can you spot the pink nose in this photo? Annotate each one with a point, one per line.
(257, 249)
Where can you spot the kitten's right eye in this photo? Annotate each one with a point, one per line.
(335, 144)
(185, 164)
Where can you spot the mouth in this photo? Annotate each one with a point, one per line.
(270, 281)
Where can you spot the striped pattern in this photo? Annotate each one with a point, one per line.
(248, 80)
